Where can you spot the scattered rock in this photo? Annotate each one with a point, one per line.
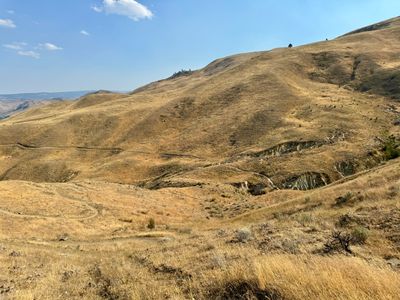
(346, 168)
(342, 200)
(257, 189)
(306, 181)
(288, 147)
(67, 275)
(63, 238)
(345, 220)
(4, 289)
(178, 272)
(15, 254)
(394, 263)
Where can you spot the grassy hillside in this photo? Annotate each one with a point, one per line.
(267, 175)
(333, 99)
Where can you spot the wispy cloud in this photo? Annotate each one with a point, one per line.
(84, 32)
(15, 46)
(29, 53)
(49, 47)
(7, 23)
(97, 8)
(129, 8)
(24, 49)
(11, 12)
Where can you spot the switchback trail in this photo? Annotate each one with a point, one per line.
(114, 150)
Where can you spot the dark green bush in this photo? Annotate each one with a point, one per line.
(181, 73)
(343, 200)
(359, 235)
(151, 224)
(391, 148)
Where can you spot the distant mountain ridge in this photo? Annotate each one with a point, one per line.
(14, 103)
(10, 107)
(44, 95)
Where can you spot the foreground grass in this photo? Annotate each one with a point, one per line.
(281, 257)
(306, 277)
(279, 276)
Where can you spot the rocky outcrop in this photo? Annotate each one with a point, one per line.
(288, 147)
(163, 184)
(346, 168)
(306, 181)
(255, 189)
(353, 165)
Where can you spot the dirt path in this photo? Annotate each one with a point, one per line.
(155, 237)
(114, 150)
(65, 196)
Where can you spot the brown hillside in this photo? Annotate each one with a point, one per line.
(331, 98)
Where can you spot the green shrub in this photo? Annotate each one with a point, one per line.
(151, 224)
(342, 200)
(345, 220)
(243, 235)
(305, 219)
(181, 73)
(359, 235)
(391, 148)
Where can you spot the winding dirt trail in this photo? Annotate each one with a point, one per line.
(65, 196)
(114, 150)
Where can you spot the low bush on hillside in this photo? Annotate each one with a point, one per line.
(181, 73)
(343, 200)
(151, 224)
(359, 235)
(338, 242)
(243, 235)
(391, 148)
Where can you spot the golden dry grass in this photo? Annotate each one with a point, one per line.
(305, 277)
(81, 180)
(114, 256)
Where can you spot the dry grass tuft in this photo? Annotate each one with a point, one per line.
(306, 277)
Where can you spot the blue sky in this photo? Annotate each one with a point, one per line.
(62, 45)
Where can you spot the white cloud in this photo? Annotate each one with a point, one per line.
(15, 46)
(49, 47)
(84, 32)
(29, 53)
(24, 49)
(129, 8)
(97, 8)
(7, 23)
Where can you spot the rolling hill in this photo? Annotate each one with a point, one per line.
(327, 105)
(14, 103)
(44, 95)
(10, 107)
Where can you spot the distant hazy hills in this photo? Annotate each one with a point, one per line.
(9, 107)
(13, 103)
(44, 96)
